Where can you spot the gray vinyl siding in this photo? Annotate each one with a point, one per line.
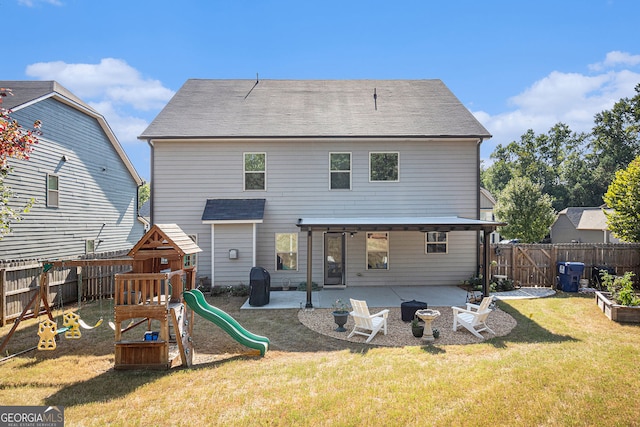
(436, 178)
(95, 189)
(563, 231)
(233, 236)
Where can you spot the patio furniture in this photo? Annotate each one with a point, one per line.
(474, 317)
(367, 324)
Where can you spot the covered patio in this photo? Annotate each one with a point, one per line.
(422, 224)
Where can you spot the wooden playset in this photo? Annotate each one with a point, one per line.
(151, 294)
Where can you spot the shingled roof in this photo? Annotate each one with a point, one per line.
(26, 91)
(314, 108)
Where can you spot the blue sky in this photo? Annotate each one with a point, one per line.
(516, 65)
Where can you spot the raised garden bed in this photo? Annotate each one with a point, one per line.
(617, 312)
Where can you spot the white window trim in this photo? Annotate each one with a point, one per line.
(350, 171)
(366, 240)
(49, 191)
(245, 171)
(384, 152)
(427, 243)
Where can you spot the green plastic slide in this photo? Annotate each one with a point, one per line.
(195, 299)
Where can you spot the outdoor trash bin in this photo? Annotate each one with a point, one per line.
(260, 286)
(409, 308)
(569, 274)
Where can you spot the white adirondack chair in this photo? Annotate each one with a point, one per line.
(367, 324)
(473, 318)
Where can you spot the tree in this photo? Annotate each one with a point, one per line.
(15, 142)
(143, 194)
(541, 158)
(616, 140)
(526, 210)
(623, 196)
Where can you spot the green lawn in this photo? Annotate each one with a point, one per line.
(564, 364)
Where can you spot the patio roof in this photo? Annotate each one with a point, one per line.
(233, 211)
(449, 223)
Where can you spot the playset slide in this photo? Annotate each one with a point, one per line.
(195, 299)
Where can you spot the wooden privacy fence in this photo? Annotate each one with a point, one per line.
(536, 264)
(20, 279)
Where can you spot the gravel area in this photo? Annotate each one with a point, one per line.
(399, 332)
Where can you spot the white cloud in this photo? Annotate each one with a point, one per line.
(615, 58)
(112, 79)
(570, 98)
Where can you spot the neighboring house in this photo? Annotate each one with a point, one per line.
(379, 178)
(84, 186)
(144, 215)
(487, 202)
(582, 225)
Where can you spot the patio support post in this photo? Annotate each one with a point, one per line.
(485, 263)
(309, 267)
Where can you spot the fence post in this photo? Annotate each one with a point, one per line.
(79, 281)
(513, 263)
(3, 297)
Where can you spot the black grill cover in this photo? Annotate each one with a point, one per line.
(409, 308)
(260, 284)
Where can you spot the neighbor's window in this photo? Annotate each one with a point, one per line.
(89, 246)
(383, 166)
(378, 251)
(436, 242)
(286, 251)
(340, 169)
(255, 171)
(53, 195)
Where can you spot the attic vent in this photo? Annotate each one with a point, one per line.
(375, 99)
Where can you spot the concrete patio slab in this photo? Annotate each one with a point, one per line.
(376, 296)
(388, 296)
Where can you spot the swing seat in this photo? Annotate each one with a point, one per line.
(47, 331)
(73, 327)
(84, 325)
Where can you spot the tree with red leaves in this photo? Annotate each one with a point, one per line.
(15, 142)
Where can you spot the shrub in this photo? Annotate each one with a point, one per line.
(502, 285)
(621, 288)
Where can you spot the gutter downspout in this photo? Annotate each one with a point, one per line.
(152, 187)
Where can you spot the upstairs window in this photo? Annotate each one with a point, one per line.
(436, 242)
(340, 170)
(384, 166)
(255, 171)
(378, 251)
(286, 251)
(53, 192)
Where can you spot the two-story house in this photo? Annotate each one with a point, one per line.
(84, 185)
(342, 183)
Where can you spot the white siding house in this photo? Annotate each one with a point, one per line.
(380, 177)
(84, 186)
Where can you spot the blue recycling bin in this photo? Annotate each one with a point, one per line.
(569, 274)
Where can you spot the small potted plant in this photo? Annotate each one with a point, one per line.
(417, 328)
(340, 314)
